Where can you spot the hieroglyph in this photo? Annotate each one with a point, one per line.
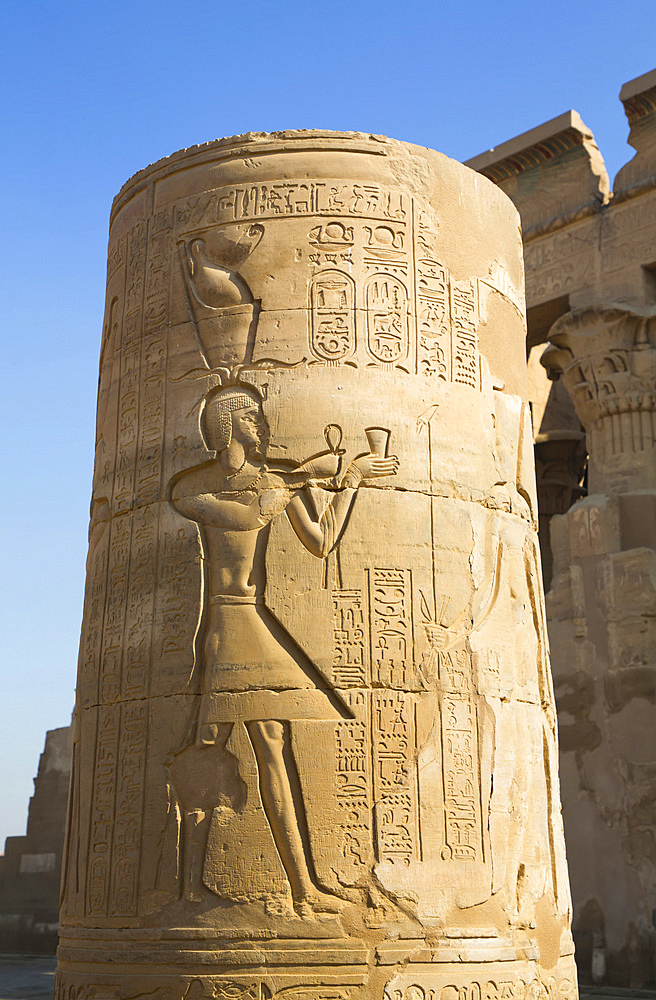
(315, 742)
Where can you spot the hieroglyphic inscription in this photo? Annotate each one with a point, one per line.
(550, 988)
(384, 246)
(560, 262)
(416, 319)
(102, 810)
(353, 781)
(387, 319)
(129, 809)
(128, 403)
(110, 671)
(350, 641)
(464, 316)
(331, 243)
(392, 735)
(94, 605)
(174, 582)
(116, 593)
(107, 651)
(463, 829)
(332, 316)
(433, 307)
(131, 762)
(132, 577)
(68, 987)
(143, 563)
(153, 363)
(383, 730)
(278, 199)
(143, 574)
(390, 604)
(116, 255)
(392, 718)
(318, 991)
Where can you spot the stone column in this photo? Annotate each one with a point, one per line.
(315, 749)
(603, 635)
(560, 463)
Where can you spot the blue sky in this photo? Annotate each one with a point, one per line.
(92, 92)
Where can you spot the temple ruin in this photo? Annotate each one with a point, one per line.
(590, 255)
(591, 290)
(315, 749)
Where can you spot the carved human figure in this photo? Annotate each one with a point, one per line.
(254, 673)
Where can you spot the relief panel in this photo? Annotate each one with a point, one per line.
(291, 751)
(332, 317)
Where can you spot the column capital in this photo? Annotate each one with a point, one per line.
(606, 356)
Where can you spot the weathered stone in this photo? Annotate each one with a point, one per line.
(591, 292)
(602, 618)
(607, 358)
(315, 749)
(560, 459)
(30, 868)
(639, 99)
(552, 171)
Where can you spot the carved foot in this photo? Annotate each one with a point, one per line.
(194, 896)
(277, 906)
(318, 902)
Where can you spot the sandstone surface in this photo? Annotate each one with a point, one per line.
(315, 748)
(30, 866)
(591, 292)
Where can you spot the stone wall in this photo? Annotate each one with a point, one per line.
(31, 866)
(590, 256)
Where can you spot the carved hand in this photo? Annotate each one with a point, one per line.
(372, 467)
(442, 638)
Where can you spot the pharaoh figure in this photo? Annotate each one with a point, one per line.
(253, 672)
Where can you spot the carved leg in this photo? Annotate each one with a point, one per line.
(195, 828)
(283, 805)
(198, 780)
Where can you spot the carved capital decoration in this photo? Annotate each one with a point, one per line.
(607, 360)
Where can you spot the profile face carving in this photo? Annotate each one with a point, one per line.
(234, 413)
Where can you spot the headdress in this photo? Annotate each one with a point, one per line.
(224, 315)
(221, 305)
(219, 405)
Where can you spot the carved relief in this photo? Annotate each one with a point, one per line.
(332, 317)
(247, 493)
(393, 778)
(464, 314)
(387, 319)
(290, 198)
(390, 604)
(463, 834)
(491, 989)
(449, 670)
(385, 246)
(102, 812)
(607, 360)
(383, 722)
(351, 646)
(192, 989)
(291, 764)
(559, 263)
(433, 308)
(331, 243)
(353, 787)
